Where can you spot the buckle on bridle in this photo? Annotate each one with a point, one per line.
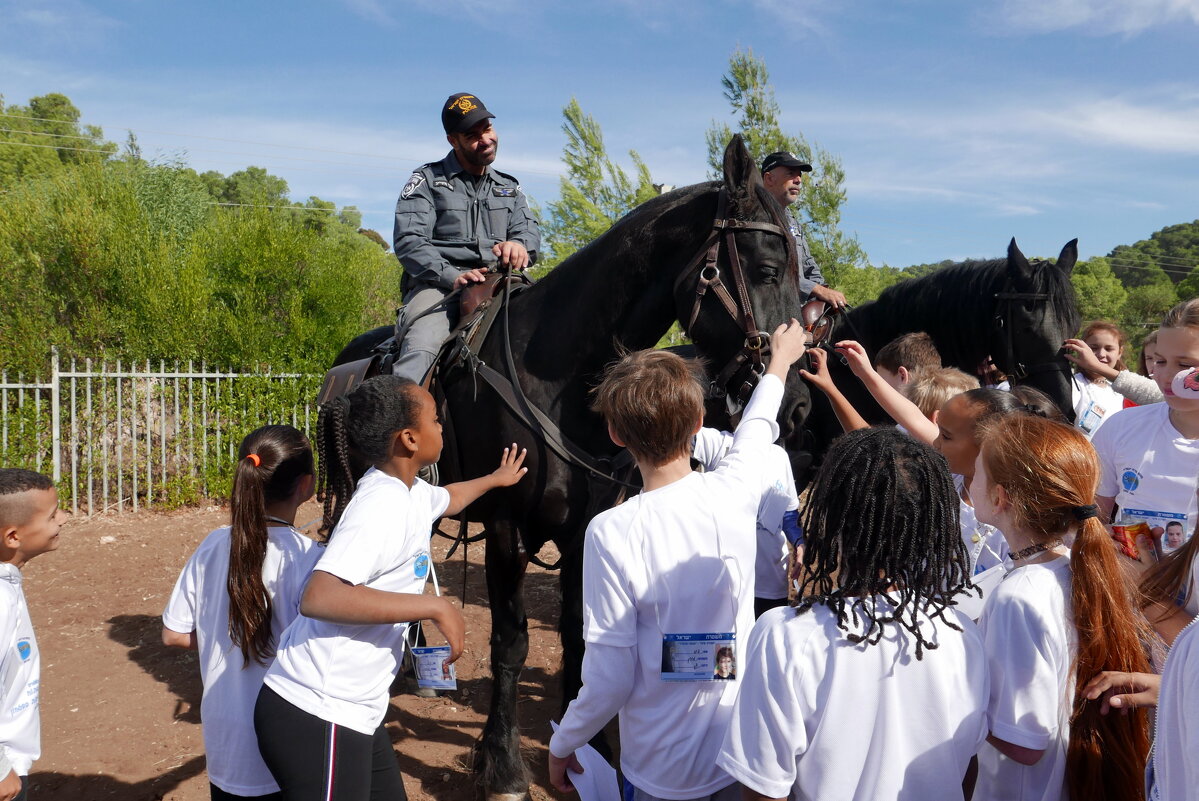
(758, 341)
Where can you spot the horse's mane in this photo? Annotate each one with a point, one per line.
(960, 298)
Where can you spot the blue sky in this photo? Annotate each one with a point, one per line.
(959, 124)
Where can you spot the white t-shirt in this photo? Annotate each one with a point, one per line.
(200, 603)
(985, 543)
(1149, 468)
(676, 560)
(1030, 639)
(1174, 771)
(1094, 403)
(341, 672)
(770, 563)
(20, 676)
(822, 719)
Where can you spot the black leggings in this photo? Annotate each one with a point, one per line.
(314, 760)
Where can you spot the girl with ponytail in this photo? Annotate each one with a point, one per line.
(236, 595)
(1060, 617)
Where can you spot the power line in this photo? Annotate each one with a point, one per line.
(393, 158)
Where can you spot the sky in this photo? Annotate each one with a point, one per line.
(959, 124)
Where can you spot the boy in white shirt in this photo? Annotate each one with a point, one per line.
(668, 579)
(29, 524)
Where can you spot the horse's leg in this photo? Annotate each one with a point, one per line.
(501, 769)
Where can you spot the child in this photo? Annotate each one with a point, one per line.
(901, 356)
(1094, 396)
(930, 388)
(236, 595)
(1150, 457)
(873, 687)
(319, 716)
(778, 522)
(30, 521)
(668, 579)
(1093, 354)
(1060, 616)
(956, 435)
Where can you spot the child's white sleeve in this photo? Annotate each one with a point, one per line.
(5, 763)
(1026, 691)
(1104, 444)
(709, 446)
(180, 612)
(767, 730)
(607, 682)
(609, 609)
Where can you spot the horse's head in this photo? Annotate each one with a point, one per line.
(744, 282)
(1034, 313)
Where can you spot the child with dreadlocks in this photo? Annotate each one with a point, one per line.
(319, 715)
(668, 579)
(1060, 617)
(873, 686)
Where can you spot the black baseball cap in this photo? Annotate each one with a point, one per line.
(462, 111)
(784, 159)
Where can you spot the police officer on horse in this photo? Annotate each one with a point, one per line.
(453, 219)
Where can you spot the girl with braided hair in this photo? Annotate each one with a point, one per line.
(236, 595)
(1060, 617)
(319, 716)
(872, 685)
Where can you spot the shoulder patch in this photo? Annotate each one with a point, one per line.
(413, 184)
(505, 191)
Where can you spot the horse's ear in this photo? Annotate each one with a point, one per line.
(1068, 257)
(740, 172)
(1017, 265)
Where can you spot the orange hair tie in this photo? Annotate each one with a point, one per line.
(253, 457)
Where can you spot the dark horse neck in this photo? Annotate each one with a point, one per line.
(955, 306)
(616, 293)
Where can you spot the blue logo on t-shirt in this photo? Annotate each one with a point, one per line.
(1131, 479)
(420, 568)
(24, 649)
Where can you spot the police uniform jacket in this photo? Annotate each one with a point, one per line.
(810, 274)
(447, 221)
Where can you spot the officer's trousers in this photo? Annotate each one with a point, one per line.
(426, 334)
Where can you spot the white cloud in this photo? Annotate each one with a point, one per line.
(59, 24)
(1121, 123)
(1095, 16)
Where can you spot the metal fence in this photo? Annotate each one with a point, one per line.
(120, 436)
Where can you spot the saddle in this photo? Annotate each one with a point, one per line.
(817, 320)
(478, 305)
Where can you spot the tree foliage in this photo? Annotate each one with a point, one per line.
(1099, 293)
(1167, 255)
(595, 192)
(45, 137)
(133, 260)
(756, 115)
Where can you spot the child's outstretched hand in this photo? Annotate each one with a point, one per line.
(819, 375)
(510, 470)
(1123, 691)
(787, 344)
(856, 356)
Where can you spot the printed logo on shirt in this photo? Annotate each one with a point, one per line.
(420, 568)
(24, 649)
(413, 184)
(1130, 480)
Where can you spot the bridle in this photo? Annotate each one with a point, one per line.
(741, 372)
(1005, 320)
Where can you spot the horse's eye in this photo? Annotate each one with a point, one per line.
(769, 273)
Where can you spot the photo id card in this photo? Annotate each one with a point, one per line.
(699, 657)
(433, 668)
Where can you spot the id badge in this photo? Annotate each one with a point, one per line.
(1091, 418)
(433, 668)
(699, 657)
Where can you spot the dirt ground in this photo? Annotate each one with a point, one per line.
(120, 711)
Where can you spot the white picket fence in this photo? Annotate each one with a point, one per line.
(121, 437)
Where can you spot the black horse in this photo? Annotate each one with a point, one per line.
(664, 261)
(1016, 311)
